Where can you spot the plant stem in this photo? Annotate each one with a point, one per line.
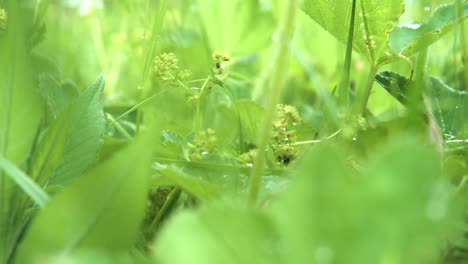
(120, 128)
(157, 25)
(171, 198)
(464, 47)
(198, 119)
(368, 89)
(137, 122)
(343, 91)
(315, 141)
(276, 82)
(138, 105)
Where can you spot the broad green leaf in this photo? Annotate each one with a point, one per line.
(20, 114)
(101, 210)
(395, 84)
(25, 182)
(57, 95)
(220, 234)
(72, 142)
(393, 212)
(199, 188)
(236, 26)
(373, 23)
(408, 40)
(449, 106)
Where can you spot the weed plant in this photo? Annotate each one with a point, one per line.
(241, 131)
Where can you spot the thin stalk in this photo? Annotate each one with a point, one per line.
(315, 141)
(157, 25)
(40, 9)
(138, 105)
(239, 122)
(464, 47)
(119, 127)
(276, 82)
(198, 119)
(343, 91)
(368, 89)
(170, 199)
(138, 122)
(220, 167)
(419, 82)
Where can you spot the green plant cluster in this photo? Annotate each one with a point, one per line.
(242, 131)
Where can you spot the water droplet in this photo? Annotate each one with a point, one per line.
(354, 138)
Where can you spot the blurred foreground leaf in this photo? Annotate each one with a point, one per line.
(393, 212)
(220, 234)
(101, 210)
(20, 115)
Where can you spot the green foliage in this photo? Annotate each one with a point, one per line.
(70, 144)
(230, 131)
(21, 111)
(326, 207)
(22, 180)
(448, 105)
(408, 40)
(375, 21)
(106, 216)
(219, 234)
(200, 189)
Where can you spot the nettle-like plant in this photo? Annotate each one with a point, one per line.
(370, 29)
(232, 180)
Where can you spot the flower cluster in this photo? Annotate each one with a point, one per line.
(3, 19)
(166, 68)
(248, 157)
(219, 69)
(203, 144)
(284, 135)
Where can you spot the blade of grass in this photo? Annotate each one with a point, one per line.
(40, 10)
(157, 25)
(24, 182)
(276, 82)
(138, 105)
(344, 85)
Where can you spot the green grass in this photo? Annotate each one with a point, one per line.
(244, 131)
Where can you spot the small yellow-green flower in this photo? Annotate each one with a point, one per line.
(184, 75)
(203, 144)
(3, 19)
(284, 134)
(165, 66)
(220, 59)
(288, 115)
